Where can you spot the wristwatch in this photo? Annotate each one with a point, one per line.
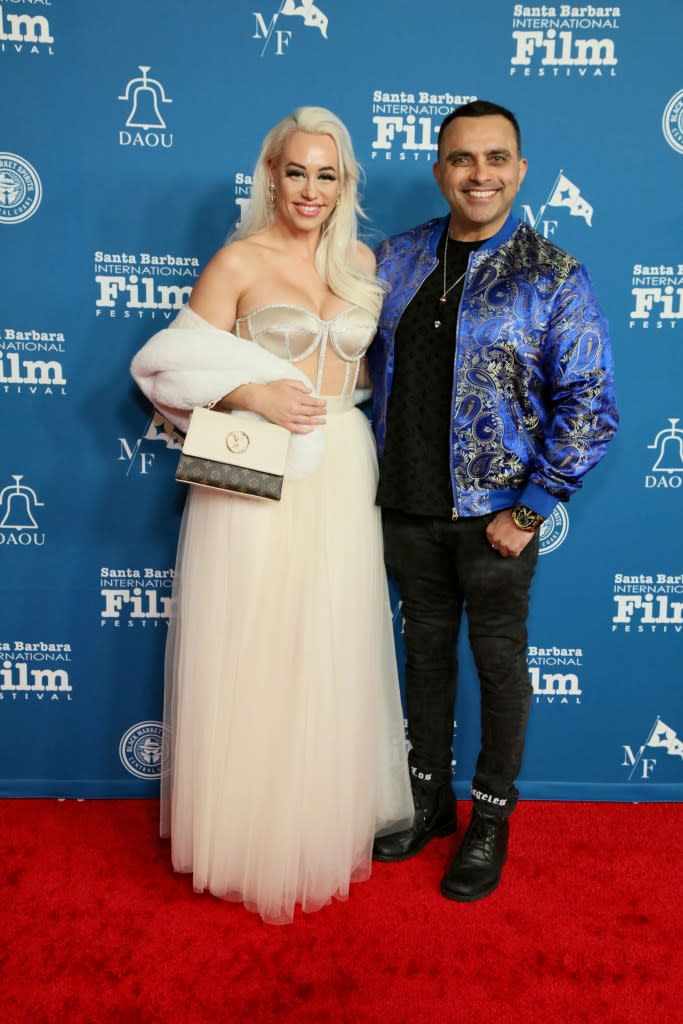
(526, 519)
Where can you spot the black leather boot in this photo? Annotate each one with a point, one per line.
(434, 816)
(478, 864)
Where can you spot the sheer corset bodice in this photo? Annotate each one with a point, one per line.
(327, 351)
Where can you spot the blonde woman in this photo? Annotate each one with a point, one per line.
(286, 752)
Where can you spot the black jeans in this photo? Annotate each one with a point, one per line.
(440, 567)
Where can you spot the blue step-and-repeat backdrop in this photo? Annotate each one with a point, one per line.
(127, 142)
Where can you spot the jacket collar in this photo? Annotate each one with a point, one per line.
(437, 227)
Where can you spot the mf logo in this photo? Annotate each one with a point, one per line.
(138, 457)
(661, 735)
(273, 34)
(563, 193)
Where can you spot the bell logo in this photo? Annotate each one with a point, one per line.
(667, 469)
(18, 525)
(144, 95)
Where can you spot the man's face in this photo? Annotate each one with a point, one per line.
(479, 172)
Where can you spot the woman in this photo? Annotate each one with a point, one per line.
(287, 751)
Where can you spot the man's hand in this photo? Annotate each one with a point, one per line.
(508, 540)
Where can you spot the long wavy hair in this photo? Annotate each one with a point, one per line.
(340, 231)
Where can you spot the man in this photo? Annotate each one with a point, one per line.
(492, 398)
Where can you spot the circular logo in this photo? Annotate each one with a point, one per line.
(672, 122)
(142, 752)
(20, 189)
(554, 530)
(237, 442)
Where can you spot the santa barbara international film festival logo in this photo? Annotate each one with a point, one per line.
(667, 468)
(641, 762)
(24, 33)
(139, 454)
(143, 284)
(21, 372)
(135, 597)
(648, 603)
(274, 35)
(657, 291)
(145, 124)
(406, 123)
(554, 674)
(35, 671)
(243, 183)
(141, 750)
(672, 122)
(562, 40)
(19, 515)
(20, 188)
(563, 194)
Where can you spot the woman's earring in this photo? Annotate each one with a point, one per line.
(271, 193)
(338, 199)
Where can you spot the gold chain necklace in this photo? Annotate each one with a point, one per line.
(442, 298)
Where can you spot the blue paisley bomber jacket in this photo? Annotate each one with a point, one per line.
(533, 403)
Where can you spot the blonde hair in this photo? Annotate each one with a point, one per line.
(340, 231)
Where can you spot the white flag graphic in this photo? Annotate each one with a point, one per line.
(566, 193)
(664, 736)
(159, 429)
(312, 15)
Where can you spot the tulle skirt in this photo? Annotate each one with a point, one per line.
(285, 739)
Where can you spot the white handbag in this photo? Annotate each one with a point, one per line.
(234, 453)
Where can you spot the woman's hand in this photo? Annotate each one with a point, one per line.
(288, 403)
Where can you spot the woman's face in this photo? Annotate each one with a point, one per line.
(306, 179)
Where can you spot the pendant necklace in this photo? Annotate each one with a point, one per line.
(442, 298)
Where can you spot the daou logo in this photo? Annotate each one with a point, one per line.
(273, 33)
(145, 122)
(667, 469)
(18, 525)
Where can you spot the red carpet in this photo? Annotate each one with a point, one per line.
(96, 929)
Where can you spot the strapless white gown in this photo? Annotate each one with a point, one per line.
(286, 750)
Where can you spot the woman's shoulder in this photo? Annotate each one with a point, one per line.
(233, 256)
(362, 259)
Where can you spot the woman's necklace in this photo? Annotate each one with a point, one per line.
(446, 290)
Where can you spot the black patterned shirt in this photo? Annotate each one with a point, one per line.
(415, 469)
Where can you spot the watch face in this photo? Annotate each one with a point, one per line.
(526, 518)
